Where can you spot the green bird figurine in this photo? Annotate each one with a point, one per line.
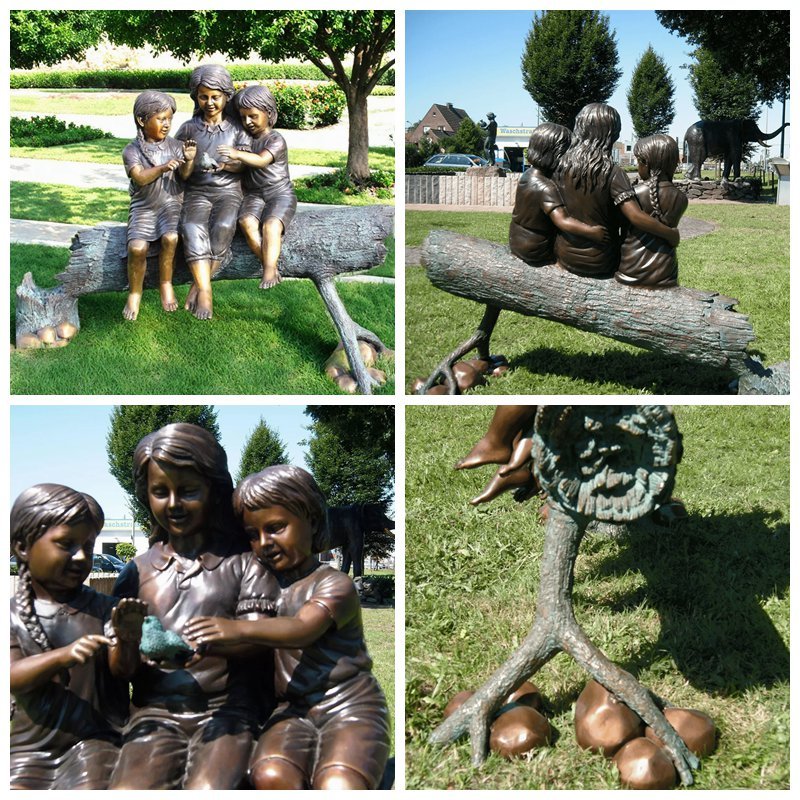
(160, 645)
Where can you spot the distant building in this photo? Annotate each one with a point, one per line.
(122, 529)
(439, 123)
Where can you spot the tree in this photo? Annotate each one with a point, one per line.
(325, 38)
(264, 448)
(125, 550)
(468, 138)
(129, 424)
(47, 37)
(351, 455)
(753, 43)
(650, 95)
(718, 93)
(570, 59)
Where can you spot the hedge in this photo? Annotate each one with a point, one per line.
(50, 131)
(175, 79)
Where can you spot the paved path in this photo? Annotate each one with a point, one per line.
(95, 176)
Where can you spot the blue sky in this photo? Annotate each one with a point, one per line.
(67, 444)
(472, 59)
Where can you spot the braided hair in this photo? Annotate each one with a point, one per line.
(660, 154)
(34, 512)
(182, 444)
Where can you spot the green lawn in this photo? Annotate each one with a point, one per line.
(746, 258)
(271, 342)
(81, 101)
(699, 613)
(109, 151)
(379, 636)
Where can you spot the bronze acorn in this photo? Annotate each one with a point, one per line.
(602, 722)
(694, 727)
(527, 695)
(467, 376)
(457, 701)
(519, 730)
(642, 764)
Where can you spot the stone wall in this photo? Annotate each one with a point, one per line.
(480, 190)
(462, 190)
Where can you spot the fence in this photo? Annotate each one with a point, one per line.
(102, 582)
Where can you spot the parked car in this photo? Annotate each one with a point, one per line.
(104, 563)
(455, 161)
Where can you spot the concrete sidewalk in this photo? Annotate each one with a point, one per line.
(95, 176)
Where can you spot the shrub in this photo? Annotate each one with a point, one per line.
(387, 79)
(379, 183)
(326, 104)
(153, 78)
(433, 171)
(50, 131)
(125, 550)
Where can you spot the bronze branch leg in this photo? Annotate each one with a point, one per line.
(479, 339)
(554, 630)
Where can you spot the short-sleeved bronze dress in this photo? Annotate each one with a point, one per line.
(331, 710)
(156, 207)
(193, 727)
(211, 199)
(66, 735)
(531, 233)
(268, 192)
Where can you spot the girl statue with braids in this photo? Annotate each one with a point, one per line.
(647, 259)
(153, 161)
(72, 648)
(214, 188)
(597, 192)
(192, 720)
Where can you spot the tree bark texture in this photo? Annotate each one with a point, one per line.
(698, 326)
(319, 245)
(41, 308)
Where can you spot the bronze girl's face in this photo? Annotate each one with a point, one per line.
(157, 127)
(280, 539)
(179, 500)
(60, 560)
(254, 120)
(211, 101)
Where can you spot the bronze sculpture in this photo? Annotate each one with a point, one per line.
(151, 162)
(192, 723)
(489, 146)
(611, 464)
(647, 259)
(722, 138)
(331, 728)
(72, 651)
(213, 195)
(269, 200)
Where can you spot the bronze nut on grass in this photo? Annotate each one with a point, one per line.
(347, 383)
(467, 376)
(47, 334)
(28, 341)
(602, 722)
(696, 729)
(527, 695)
(440, 388)
(416, 385)
(66, 330)
(642, 764)
(519, 730)
(378, 374)
(457, 701)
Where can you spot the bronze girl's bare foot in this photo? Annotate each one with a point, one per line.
(168, 300)
(191, 299)
(268, 281)
(203, 306)
(131, 310)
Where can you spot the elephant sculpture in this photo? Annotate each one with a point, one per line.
(722, 138)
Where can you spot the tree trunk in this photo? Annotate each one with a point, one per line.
(358, 136)
(319, 245)
(698, 326)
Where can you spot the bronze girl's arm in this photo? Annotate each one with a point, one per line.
(634, 214)
(31, 672)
